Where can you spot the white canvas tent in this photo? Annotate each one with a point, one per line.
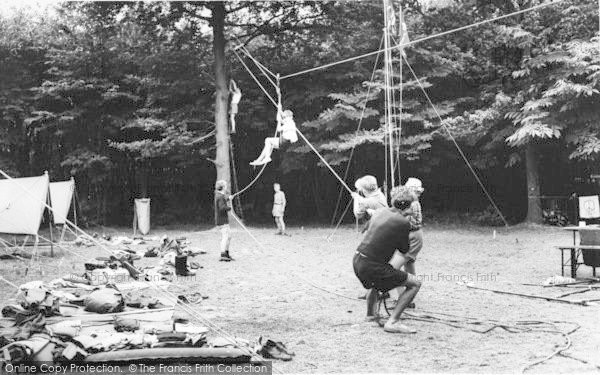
(22, 204)
(62, 194)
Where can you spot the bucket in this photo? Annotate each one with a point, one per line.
(142, 211)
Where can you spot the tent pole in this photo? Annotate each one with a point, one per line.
(74, 203)
(50, 222)
(134, 219)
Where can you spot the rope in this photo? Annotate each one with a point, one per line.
(261, 67)
(517, 327)
(340, 220)
(243, 48)
(9, 283)
(276, 104)
(262, 169)
(235, 179)
(416, 41)
(324, 161)
(362, 114)
(255, 79)
(264, 249)
(398, 118)
(456, 143)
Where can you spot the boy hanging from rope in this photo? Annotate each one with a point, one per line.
(286, 130)
(236, 96)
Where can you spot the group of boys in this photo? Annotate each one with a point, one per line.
(392, 240)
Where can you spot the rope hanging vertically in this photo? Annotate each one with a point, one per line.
(460, 151)
(262, 169)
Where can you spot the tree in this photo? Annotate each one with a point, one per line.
(23, 44)
(542, 93)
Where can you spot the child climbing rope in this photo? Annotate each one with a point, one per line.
(286, 130)
(236, 96)
(279, 203)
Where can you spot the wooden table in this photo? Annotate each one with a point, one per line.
(574, 252)
(575, 249)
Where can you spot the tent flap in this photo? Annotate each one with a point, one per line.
(61, 196)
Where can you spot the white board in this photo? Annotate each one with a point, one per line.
(142, 211)
(61, 196)
(589, 207)
(22, 203)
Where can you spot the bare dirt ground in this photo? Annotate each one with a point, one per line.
(263, 293)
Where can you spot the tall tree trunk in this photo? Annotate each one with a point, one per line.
(534, 206)
(222, 161)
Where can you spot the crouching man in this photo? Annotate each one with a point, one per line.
(387, 231)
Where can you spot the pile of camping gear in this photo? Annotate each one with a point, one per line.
(112, 313)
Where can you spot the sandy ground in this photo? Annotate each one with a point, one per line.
(264, 292)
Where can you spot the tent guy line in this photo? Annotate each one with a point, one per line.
(460, 151)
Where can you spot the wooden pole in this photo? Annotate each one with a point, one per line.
(50, 219)
(580, 303)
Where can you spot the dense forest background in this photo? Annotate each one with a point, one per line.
(124, 97)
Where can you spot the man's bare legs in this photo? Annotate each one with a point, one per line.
(372, 307)
(412, 286)
(397, 261)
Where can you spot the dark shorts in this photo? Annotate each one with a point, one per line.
(380, 276)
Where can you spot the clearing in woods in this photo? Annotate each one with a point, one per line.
(261, 293)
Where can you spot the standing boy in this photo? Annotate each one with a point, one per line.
(416, 223)
(222, 208)
(278, 211)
